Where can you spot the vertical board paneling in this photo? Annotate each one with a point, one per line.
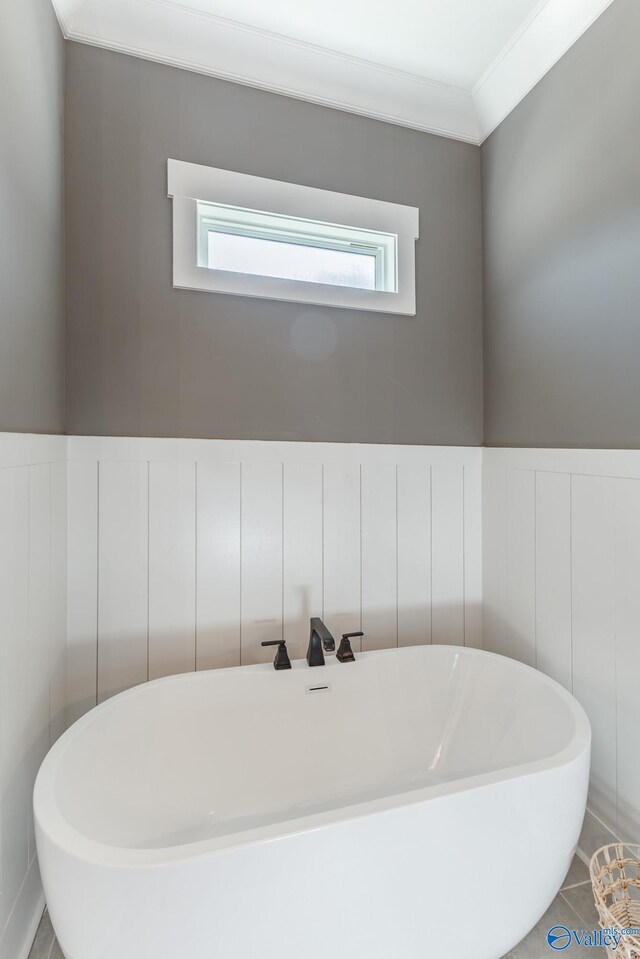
(594, 668)
(521, 566)
(14, 629)
(262, 586)
(123, 571)
(379, 557)
(33, 628)
(587, 605)
(494, 559)
(218, 549)
(627, 604)
(553, 576)
(414, 555)
(342, 570)
(58, 664)
(249, 550)
(473, 556)
(302, 553)
(40, 631)
(447, 549)
(172, 568)
(82, 629)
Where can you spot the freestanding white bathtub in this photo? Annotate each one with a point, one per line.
(418, 803)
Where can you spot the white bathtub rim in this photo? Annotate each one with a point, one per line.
(57, 829)
(78, 846)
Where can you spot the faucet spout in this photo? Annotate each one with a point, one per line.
(319, 639)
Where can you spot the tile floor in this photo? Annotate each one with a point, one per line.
(573, 907)
(45, 945)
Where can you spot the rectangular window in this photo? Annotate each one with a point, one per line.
(266, 244)
(245, 235)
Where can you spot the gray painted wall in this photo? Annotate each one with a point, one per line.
(145, 359)
(561, 183)
(31, 233)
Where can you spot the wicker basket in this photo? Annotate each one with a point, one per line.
(615, 877)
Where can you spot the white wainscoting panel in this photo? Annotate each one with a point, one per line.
(183, 554)
(15, 744)
(561, 565)
(32, 660)
(494, 558)
(218, 565)
(58, 662)
(172, 569)
(302, 543)
(39, 636)
(123, 574)
(379, 536)
(125, 559)
(447, 555)
(627, 608)
(553, 633)
(342, 560)
(82, 569)
(594, 663)
(521, 562)
(473, 556)
(414, 554)
(262, 560)
(190, 553)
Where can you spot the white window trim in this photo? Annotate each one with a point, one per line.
(190, 183)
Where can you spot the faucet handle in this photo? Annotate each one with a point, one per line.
(345, 653)
(282, 660)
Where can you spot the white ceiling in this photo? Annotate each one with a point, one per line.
(453, 67)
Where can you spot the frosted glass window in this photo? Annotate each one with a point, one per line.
(257, 243)
(312, 264)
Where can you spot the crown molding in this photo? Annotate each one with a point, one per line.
(552, 30)
(167, 32)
